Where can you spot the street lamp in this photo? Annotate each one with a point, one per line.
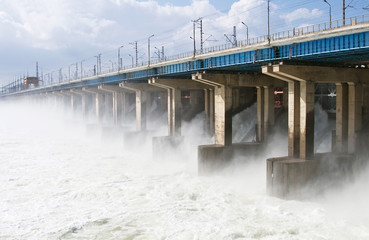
(119, 60)
(132, 58)
(148, 48)
(247, 33)
(330, 13)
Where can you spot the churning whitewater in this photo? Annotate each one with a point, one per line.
(63, 179)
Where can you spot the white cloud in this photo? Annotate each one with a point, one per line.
(69, 30)
(302, 13)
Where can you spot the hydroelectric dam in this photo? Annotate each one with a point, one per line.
(284, 74)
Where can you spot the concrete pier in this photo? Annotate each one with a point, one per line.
(209, 111)
(117, 103)
(174, 88)
(143, 101)
(222, 151)
(75, 99)
(99, 102)
(289, 177)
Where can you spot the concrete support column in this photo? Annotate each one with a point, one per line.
(355, 102)
(223, 115)
(73, 103)
(269, 114)
(307, 101)
(293, 119)
(142, 102)
(260, 114)
(115, 102)
(269, 104)
(118, 107)
(126, 106)
(285, 97)
(341, 117)
(100, 109)
(209, 110)
(108, 100)
(174, 111)
(71, 99)
(174, 89)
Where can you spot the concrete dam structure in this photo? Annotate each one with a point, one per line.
(284, 74)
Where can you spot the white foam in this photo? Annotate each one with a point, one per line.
(56, 182)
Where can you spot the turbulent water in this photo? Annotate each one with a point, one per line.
(60, 180)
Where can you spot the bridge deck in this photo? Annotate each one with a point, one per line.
(340, 46)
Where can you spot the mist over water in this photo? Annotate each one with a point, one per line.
(60, 179)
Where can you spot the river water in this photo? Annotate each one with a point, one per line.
(59, 180)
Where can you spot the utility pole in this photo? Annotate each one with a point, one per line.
(330, 13)
(199, 22)
(148, 49)
(343, 12)
(201, 36)
(160, 53)
(60, 75)
(268, 21)
(119, 59)
(194, 38)
(100, 63)
(136, 51)
(234, 37)
(37, 70)
(82, 68)
(247, 33)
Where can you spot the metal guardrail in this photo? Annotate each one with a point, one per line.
(301, 31)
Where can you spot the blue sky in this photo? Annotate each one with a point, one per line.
(60, 33)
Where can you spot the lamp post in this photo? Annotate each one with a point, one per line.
(148, 49)
(119, 60)
(247, 33)
(330, 13)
